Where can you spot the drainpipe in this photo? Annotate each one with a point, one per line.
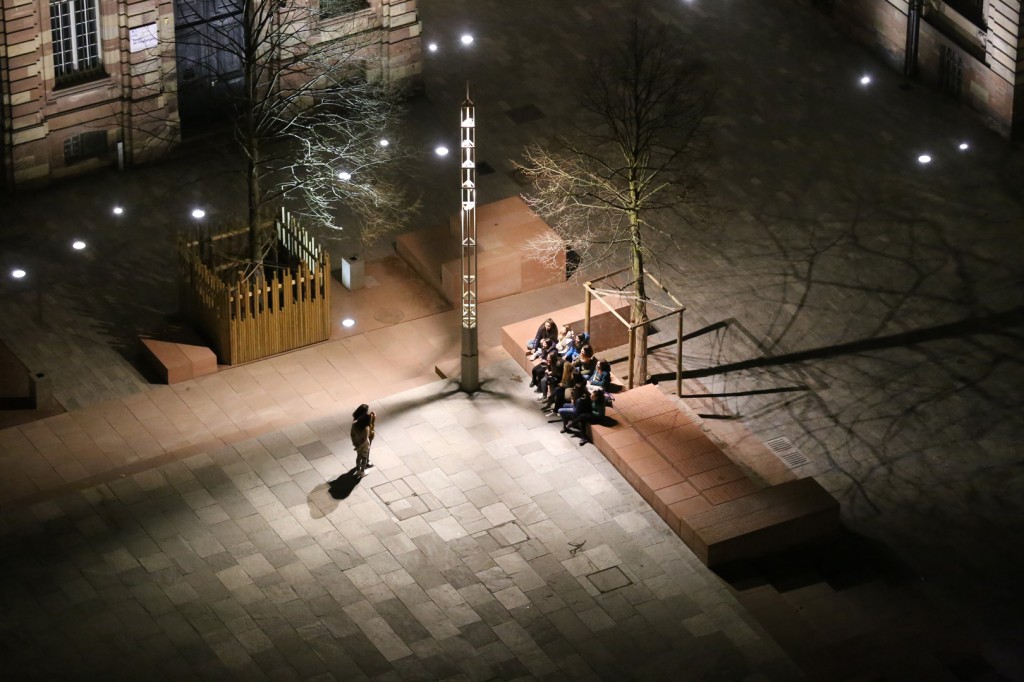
(914, 9)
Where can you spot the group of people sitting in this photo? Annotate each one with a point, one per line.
(572, 382)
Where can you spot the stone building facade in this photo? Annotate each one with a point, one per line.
(91, 83)
(972, 49)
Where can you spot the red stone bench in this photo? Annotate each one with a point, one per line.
(176, 362)
(718, 511)
(606, 331)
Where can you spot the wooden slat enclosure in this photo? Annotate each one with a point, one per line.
(254, 317)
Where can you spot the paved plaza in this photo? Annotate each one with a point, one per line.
(483, 545)
(842, 295)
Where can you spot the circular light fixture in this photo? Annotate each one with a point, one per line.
(865, 79)
(384, 143)
(441, 150)
(344, 176)
(924, 158)
(964, 146)
(348, 322)
(18, 273)
(78, 245)
(432, 47)
(466, 39)
(118, 210)
(198, 213)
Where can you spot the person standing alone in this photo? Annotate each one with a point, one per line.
(363, 423)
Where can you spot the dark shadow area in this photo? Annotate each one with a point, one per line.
(703, 331)
(843, 560)
(736, 394)
(341, 487)
(988, 324)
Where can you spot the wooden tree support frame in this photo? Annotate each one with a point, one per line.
(250, 318)
(592, 293)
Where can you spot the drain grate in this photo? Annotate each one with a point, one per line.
(525, 114)
(787, 452)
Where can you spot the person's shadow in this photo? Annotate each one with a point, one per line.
(343, 485)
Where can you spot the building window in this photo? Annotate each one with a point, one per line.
(88, 145)
(335, 8)
(76, 42)
(972, 10)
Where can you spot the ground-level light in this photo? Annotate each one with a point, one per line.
(18, 273)
(348, 322)
(198, 213)
(78, 245)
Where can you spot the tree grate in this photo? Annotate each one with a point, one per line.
(787, 452)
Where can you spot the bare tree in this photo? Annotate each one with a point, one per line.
(637, 150)
(310, 104)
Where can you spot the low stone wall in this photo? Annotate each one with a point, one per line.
(721, 513)
(606, 331)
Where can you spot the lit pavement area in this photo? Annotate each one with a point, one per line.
(868, 308)
(484, 544)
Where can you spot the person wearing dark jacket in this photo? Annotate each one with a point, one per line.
(547, 330)
(581, 405)
(598, 402)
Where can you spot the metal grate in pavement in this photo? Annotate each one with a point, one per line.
(787, 452)
(525, 114)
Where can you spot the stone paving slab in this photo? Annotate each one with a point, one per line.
(238, 562)
(881, 298)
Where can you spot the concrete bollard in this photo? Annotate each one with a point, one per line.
(353, 273)
(40, 391)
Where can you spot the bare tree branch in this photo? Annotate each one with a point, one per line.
(639, 148)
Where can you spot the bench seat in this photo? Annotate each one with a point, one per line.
(711, 503)
(177, 362)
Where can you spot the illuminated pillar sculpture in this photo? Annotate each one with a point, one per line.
(470, 380)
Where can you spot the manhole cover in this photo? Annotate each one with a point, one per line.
(609, 579)
(389, 316)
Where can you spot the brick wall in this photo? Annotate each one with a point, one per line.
(993, 67)
(135, 102)
(39, 117)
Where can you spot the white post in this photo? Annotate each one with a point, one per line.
(470, 379)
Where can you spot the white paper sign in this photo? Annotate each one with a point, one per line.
(142, 38)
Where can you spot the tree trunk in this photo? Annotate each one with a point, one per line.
(638, 311)
(252, 179)
(251, 142)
